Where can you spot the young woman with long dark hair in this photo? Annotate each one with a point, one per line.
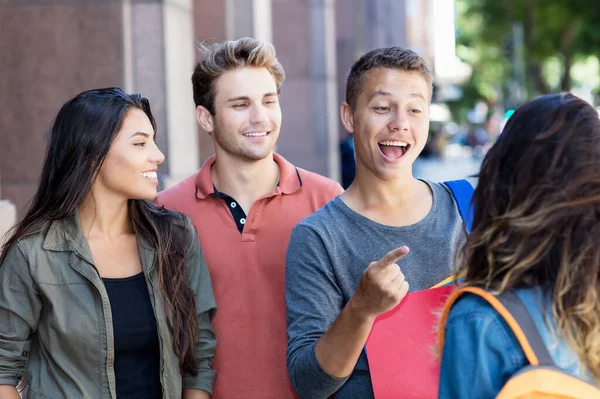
(535, 232)
(103, 294)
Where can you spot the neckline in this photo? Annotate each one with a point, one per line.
(434, 208)
(123, 279)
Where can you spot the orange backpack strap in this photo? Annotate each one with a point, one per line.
(513, 311)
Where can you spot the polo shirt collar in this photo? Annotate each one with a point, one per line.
(289, 178)
(204, 184)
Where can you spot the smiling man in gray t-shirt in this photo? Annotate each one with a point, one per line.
(341, 268)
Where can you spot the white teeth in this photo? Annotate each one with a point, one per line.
(393, 143)
(150, 175)
(255, 134)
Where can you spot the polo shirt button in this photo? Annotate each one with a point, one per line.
(233, 204)
(243, 221)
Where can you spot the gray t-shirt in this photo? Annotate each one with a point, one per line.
(326, 256)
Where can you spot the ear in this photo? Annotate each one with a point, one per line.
(347, 117)
(205, 119)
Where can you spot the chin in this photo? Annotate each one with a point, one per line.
(390, 172)
(144, 196)
(256, 156)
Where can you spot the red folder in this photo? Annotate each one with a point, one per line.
(400, 348)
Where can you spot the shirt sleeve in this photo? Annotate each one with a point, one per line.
(199, 279)
(313, 303)
(20, 307)
(480, 352)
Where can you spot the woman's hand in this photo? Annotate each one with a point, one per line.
(10, 392)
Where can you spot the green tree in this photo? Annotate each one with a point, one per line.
(562, 29)
(490, 67)
(555, 34)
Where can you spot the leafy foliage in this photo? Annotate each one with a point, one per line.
(553, 30)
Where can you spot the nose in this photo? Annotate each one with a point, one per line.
(157, 156)
(258, 115)
(398, 121)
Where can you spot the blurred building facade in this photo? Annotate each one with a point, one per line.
(53, 49)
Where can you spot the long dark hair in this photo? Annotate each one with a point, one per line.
(537, 215)
(80, 138)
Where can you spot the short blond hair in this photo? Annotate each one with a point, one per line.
(218, 58)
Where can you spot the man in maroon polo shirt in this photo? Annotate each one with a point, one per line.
(244, 202)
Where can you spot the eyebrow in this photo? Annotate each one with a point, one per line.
(146, 135)
(418, 96)
(388, 94)
(380, 93)
(246, 98)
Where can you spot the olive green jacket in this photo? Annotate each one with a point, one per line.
(56, 323)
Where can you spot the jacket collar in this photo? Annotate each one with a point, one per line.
(66, 235)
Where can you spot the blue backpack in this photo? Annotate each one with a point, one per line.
(463, 191)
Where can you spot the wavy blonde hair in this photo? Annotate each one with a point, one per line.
(218, 58)
(537, 216)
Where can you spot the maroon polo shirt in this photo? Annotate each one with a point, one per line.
(245, 255)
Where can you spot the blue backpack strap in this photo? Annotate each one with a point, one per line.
(463, 191)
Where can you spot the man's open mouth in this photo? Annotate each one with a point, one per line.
(393, 149)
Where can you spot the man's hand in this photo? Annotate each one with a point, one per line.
(382, 285)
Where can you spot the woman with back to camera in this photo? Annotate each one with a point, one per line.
(102, 294)
(536, 231)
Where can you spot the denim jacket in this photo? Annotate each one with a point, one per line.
(56, 323)
(481, 353)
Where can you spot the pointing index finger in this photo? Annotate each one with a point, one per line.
(393, 256)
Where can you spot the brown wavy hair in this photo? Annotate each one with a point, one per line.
(220, 57)
(537, 215)
(80, 138)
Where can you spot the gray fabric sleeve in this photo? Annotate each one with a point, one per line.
(199, 280)
(20, 307)
(313, 303)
